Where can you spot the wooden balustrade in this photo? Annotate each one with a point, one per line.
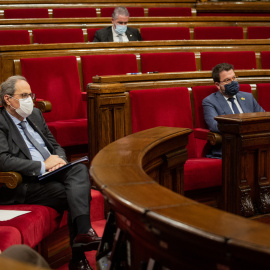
(158, 227)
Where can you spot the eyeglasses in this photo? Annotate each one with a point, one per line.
(25, 95)
(226, 81)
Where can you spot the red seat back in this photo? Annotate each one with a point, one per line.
(258, 32)
(168, 62)
(265, 59)
(233, 14)
(74, 12)
(162, 107)
(133, 11)
(26, 13)
(14, 37)
(169, 11)
(91, 33)
(263, 91)
(165, 33)
(109, 64)
(240, 60)
(56, 79)
(65, 35)
(233, 32)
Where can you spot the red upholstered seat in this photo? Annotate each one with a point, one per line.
(25, 13)
(265, 59)
(219, 32)
(263, 91)
(165, 33)
(171, 107)
(14, 37)
(57, 79)
(65, 35)
(80, 12)
(240, 59)
(168, 62)
(169, 11)
(234, 14)
(133, 11)
(109, 64)
(91, 33)
(9, 236)
(258, 32)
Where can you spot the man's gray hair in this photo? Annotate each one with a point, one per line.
(8, 87)
(120, 11)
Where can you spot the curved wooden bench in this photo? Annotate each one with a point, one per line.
(156, 225)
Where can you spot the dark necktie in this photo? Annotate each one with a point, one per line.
(37, 145)
(235, 109)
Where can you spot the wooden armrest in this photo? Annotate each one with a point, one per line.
(214, 138)
(10, 179)
(43, 105)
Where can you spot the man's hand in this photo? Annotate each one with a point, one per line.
(53, 163)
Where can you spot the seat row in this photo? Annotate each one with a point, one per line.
(75, 35)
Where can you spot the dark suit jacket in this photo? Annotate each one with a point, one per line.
(105, 35)
(15, 156)
(215, 104)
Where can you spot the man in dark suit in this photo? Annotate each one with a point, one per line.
(119, 31)
(227, 100)
(39, 153)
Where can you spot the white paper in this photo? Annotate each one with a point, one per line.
(10, 214)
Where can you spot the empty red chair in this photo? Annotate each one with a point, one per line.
(74, 12)
(169, 11)
(57, 79)
(171, 107)
(240, 60)
(219, 32)
(65, 35)
(14, 37)
(258, 32)
(26, 13)
(234, 14)
(91, 33)
(263, 91)
(108, 64)
(168, 62)
(133, 11)
(265, 59)
(165, 33)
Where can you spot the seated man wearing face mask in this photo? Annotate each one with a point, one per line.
(27, 146)
(227, 100)
(118, 32)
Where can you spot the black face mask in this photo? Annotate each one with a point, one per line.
(232, 88)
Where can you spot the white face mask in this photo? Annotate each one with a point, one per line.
(26, 107)
(120, 29)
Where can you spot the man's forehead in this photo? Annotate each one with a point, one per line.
(122, 18)
(225, 73)
(22, 86)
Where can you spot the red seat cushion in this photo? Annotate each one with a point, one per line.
(9, 236)
(169, 11)
(14, 37)
(263, 91)
(168, 62)
(74, 12)
(202, 173)
(108, 64)
(240, 59)
(258, 32)
(65, 35)
(50, 79)
(133, 11)
(220, 32)
(35, 225)
(265, 59)
(26, 13)
(165, 33)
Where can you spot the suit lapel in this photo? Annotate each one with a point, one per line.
(223, 103)
(242, 102)
(130, 35)
(110, 35)
(16, 135)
